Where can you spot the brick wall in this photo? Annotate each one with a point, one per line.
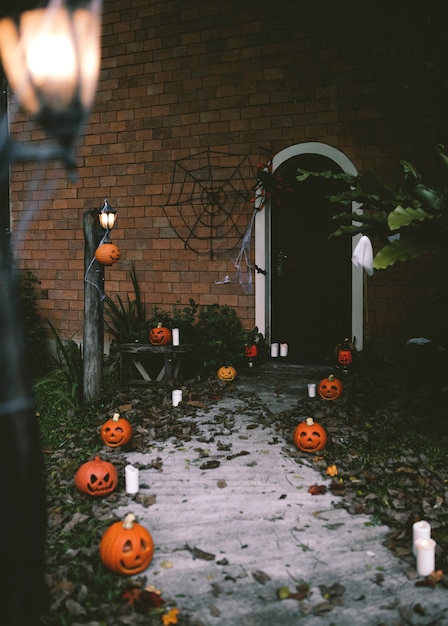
(180, 76)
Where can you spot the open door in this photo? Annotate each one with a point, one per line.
(311, 275)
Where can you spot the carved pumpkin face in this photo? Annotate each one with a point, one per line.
(126, 547)
(96, 478)
(345, 352)
(107, 254)
(116, 431)
(330, 388)
(250, 352)
(345, 357)
(227, 373)
(160, 335)
(309, 436)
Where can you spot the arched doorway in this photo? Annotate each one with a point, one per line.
(310, 296)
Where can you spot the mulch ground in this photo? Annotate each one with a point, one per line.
(406, 483)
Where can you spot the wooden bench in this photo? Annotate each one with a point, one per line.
(134, 355)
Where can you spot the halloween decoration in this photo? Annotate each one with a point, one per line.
(330, 388)
(345, 352)
(107, 254)
(309, 436)
(116, 432)
(160, 335)
(126, 547)
(250, 352)
(227, 373)
(96, 477)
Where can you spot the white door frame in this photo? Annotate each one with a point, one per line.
(263, 245)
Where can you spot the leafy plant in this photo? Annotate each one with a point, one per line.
(220, 337)
(127, 321)
(408, 222)
(35, 336)
(65, 383)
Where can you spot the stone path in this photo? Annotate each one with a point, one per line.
(234, 525)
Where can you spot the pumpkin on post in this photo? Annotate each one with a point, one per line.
(330, 388)
(116, 432)
(159, 336)
(126, 547)
(96, 478)
(309, 436)
(107, 254)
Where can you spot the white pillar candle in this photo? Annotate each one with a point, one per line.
(131, 474)
(175, 336)
(312, 390)
(426, 556)
(176, 396)
(420, 530)
(283, 349)
(274, 350)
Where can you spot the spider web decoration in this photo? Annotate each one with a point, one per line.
(208, 200)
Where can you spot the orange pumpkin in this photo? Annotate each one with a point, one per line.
(116, 432)
(250, 352)
(159, 336)
(126, 547)
(309, 436)
(330, 388)
(96, 477)
(107, 254)
(227, 373)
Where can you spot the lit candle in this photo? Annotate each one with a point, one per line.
(176, 396)
(426, 556)
(274, 350)
(131, 474)
(283, 349)
(312, 390)
(175, 336)
(420, 530)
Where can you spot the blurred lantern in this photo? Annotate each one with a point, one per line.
(51, 57)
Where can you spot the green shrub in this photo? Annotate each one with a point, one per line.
(34, 333)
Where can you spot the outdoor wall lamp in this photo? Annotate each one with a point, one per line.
(107, 216)
(51, 57)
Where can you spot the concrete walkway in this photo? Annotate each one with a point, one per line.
(234, 525)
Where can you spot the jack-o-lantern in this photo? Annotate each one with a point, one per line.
(309, 436)
(227, 373)
(345, 352)
(159, 336)
(107, 254)
(330, 388)
(96, 477)
(116, 432)
(250, 352)
(126, 547)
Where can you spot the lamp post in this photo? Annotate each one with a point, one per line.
(96, 227)
(60, 107)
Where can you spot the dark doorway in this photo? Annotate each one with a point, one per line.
(311, 294)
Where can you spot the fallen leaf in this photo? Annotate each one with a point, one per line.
(317, 490)
(200, 554)
(332, 470)
(260, 577)
(209, 465)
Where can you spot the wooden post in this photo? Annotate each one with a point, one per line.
(93, 338)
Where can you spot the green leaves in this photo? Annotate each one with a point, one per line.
(401, 217)
(400, 250)
(416, 212)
